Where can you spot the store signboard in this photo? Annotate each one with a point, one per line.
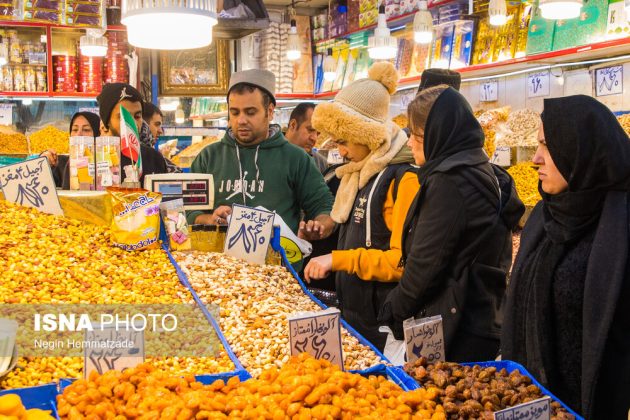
(249, 234)
(318, 334)
(502, 156)
(489, 91)
(538, 84)
(609, 81)
(6, 114)
(30, 183)
(112, 348)
(424, 338)
(539, 409)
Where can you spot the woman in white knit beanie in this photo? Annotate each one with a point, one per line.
(376, 190)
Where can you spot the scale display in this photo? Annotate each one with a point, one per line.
(197, 190)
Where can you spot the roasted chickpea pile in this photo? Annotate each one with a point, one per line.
(474, 392)
(49, 137)
(526, 182)
(48, 259)
(14, 143)
(255, 301)
(304, 388)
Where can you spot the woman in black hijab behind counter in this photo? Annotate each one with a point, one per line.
(568, 317)
(81, 124)
(457, 245)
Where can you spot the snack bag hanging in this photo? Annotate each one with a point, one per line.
(136, 218)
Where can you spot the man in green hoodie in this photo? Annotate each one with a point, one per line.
(255, 165)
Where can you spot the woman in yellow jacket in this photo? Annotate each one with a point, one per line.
(377, 188)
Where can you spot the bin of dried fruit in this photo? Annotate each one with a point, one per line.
(477, 391)
(303, 388)
(13, 143)
(526, 181)
(489, 121)
(255, 301)
(12, 407)
(624, 120)
(49, 137)
(56, 260)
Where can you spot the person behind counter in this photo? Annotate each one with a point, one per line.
(568, 318)
(301, 133)
(81, 124)
(457, 239)
(109, 100)
(254, 165)
(376, 191)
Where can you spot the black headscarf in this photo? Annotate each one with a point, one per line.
(592, 152)
(92, 118)
(452, 136)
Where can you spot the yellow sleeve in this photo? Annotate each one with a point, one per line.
(374, 264)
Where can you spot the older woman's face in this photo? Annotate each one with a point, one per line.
(81, 127)
(552, 180)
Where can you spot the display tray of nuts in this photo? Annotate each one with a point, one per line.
(254, 302)
(477, 390)
(56, 260)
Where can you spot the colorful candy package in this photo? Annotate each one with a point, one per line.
(174, 218)
(136, 218)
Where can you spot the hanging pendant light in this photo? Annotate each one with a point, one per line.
(93, 43)
(423, 24)
(497, 10)
(382, 46)
(330, 72)
(179, 116)
(169, 24)
(628, 10)
(294, 46)
(560, 9)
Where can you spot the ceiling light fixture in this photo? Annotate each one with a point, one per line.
(329, 66)
(382, 46)
(423, 24)
(179, 116)
(497, 10)
(294, 46)
(169, 24)
(93, 43)
(560, 9)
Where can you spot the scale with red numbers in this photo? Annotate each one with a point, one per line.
(197, 190)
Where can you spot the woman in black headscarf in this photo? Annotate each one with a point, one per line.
(457, 242)
(81, 124)
(568, 320)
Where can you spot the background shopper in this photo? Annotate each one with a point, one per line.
(457, 241)
(568, 318)
(301, 133)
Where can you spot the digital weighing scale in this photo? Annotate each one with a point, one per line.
(197, 190)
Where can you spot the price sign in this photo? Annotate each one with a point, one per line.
(93, 110)
(502, 156)
(112, 348)
(609, 81)
(424, 338)
(6, 114)
(318, 334)
(538, 84)
(30, 183)
(334, 158)
(8, 332)
(249, 234)
(534, 410)
(489, 91)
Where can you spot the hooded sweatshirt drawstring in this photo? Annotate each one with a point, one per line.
(240, 171)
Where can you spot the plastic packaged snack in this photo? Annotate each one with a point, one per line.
(107, 162)
(174, 218)
(82, 163)
(136, 218)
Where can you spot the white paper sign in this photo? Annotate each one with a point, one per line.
(6, 114)
(318, 334)
(334, 157)
(538, 84)
(534, 410)
(30, 183)
(424, 338)
(8, 332)
(249, 234)
(489, 91)
(502, 156)
(112, 348)
(609, 81)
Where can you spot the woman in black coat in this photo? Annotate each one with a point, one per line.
(568, 318)
(457, 243)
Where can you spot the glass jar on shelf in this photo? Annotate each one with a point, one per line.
(19, 83)
(7, 78)
(41, 79)
(30, 79)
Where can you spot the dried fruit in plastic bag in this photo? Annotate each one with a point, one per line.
(174, 218)
(136, 218)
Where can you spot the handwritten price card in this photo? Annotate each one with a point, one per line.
(318, 334)
(489, 91)
(424, 338)
(249, 233)
(538, 84)
(30, 183)
(534, 410)
(112, 348)
(609, 81)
